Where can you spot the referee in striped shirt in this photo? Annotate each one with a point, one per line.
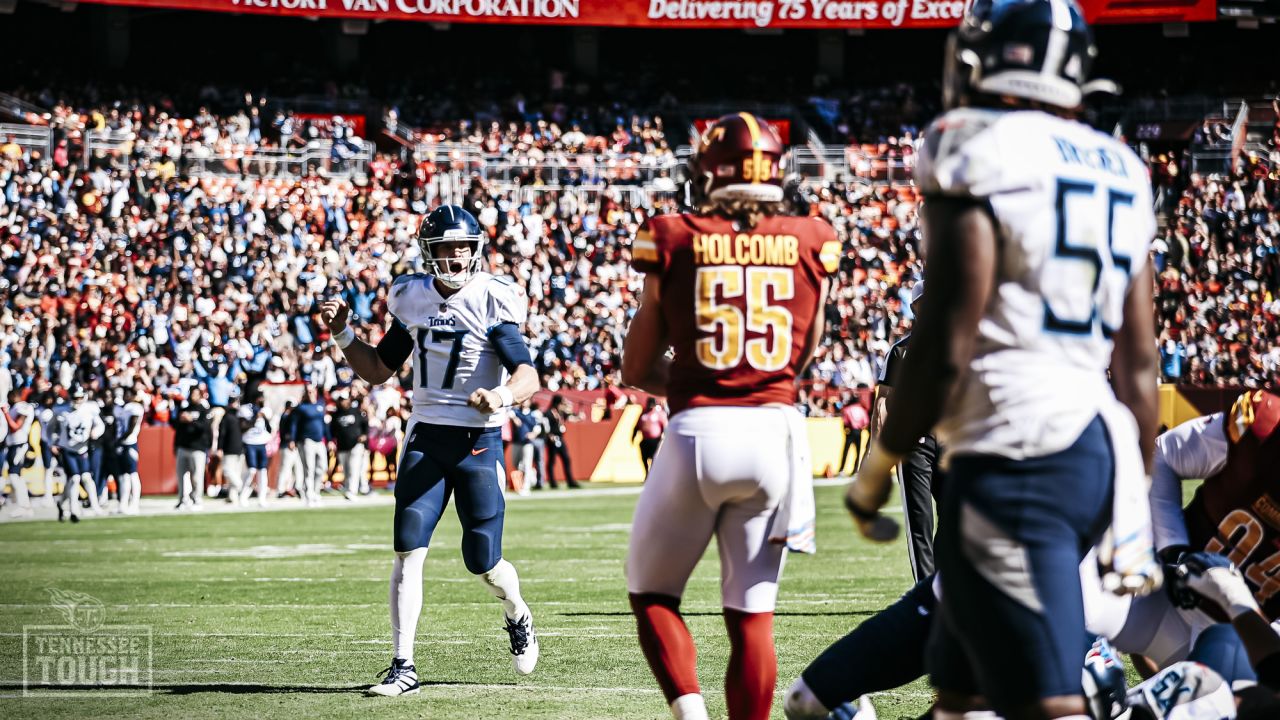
(919, 477)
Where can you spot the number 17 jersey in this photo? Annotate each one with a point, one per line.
(737, 303)
(452, 355)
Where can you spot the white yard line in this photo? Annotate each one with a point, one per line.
(164, 505)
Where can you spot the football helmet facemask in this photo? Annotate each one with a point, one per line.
(439, 235)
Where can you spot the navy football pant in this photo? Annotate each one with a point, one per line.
(75, 463)
(885, 652)
(96, 457)
(442, 460)
(127, 459)
(1012, 534)
(1221, 649)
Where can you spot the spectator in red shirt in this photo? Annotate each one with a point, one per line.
(650, 427)
(856, 420)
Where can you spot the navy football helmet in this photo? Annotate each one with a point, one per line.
(1036, 50)
(438, 235)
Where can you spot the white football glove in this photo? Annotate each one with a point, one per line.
(1216, 580)
(1128, 566)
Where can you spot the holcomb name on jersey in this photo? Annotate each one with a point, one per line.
(452, 355)
(1074, 221)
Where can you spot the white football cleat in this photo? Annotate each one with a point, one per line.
(401, 679)
(524, 643)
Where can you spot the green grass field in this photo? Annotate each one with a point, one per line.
(284, 613)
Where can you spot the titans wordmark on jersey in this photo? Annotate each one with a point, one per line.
(1074, 219)
(452, 355)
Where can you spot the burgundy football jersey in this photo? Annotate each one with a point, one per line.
(1237, 511)
(737, 304)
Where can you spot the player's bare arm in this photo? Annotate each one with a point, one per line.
(513, 353)
(818, 327)
(643, 363)
(883, 393)
(522, 385)
(360, 355)
(961, 280)
(1133, 362)
(963, 265)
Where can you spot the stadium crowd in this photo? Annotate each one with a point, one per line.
(123, 271)
(1218, 281)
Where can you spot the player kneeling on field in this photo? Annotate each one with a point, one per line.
(470, 365)
(1234, 451)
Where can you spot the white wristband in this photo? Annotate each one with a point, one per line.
(504, 392)
(344, 337)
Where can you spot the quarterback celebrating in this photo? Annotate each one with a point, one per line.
(470, 365)
(735, 289)
(1037, 229)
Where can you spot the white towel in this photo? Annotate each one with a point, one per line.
(1126, 553)
(793, 523)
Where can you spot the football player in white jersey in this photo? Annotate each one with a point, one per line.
(470, 364)
(1037, 231)
(74, 432)
(18, 417)
(129, 423)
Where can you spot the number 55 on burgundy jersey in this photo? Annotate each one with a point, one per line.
(737, 304)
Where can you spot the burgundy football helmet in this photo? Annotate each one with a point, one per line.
(739, 160)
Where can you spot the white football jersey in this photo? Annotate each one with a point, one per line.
(1074, 219)
(452, 355)
(78, 427)
(127, 413)
(25, 414)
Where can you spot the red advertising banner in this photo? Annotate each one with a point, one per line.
(324, 122)
(782, 127)
(744, 14)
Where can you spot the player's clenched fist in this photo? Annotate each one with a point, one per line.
(334, 314)
(486, 401)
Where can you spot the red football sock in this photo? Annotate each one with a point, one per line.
(666, 643)
(753, 665)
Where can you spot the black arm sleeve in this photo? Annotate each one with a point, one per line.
(1268, 670)
(396, 346)
(510, 347)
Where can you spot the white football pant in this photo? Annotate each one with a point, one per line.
(721, 471)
